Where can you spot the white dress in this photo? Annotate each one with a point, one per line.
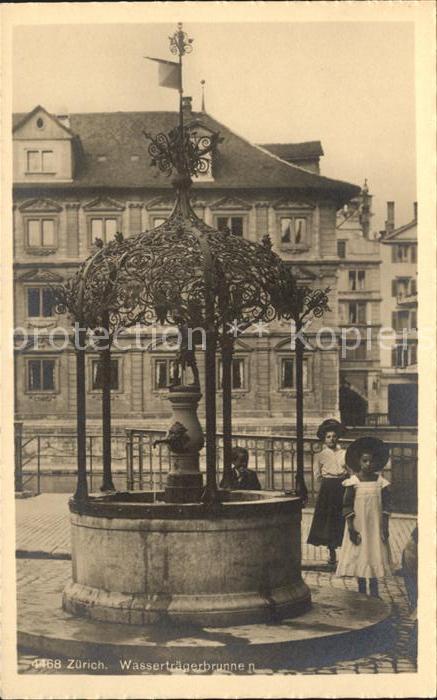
(371, 558)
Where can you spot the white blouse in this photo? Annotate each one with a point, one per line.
(330, 464)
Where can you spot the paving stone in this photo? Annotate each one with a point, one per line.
(43, 525)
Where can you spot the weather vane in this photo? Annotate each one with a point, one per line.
(182, 149)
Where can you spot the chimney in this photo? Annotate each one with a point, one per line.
(390, 223)
(187, 106)
(415, 211)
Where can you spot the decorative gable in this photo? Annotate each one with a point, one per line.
(166, 203)
(304, 274)
(230, 204)
(160, 203)
(39, 205)
(40, 276)
(103, 204)
(288, 204)
(39, 124)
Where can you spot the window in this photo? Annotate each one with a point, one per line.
(41, 375)
(357, 280)
(288, 373)
(40, 162)
(413, 286)
(234, 224)
(238, 374)
(355, 349)
(413, 254)
(97, 375)
(104, 227)
(39, 302)
(293, 230)
(206, 174)
(341, 249)
(413, 320)
(400, 356)
(357, 312)
(400, 253)
(404, 355)
(163, 372)
(413, 354)
(41, 233)
(400, 320)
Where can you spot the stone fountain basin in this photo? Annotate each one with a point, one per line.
(140, 561)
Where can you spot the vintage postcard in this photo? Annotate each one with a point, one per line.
(218, 350)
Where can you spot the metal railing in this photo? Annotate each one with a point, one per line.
(377, 419)
(47, 462)
(274, 460)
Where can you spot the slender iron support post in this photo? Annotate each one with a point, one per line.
(107, 483)
(82, 486)
(227, 353)
(301, 488)
(210, 494)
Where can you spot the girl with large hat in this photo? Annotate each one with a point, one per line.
(330, 470)
(365, 552)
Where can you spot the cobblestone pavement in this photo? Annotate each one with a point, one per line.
(43, 525)
(52, 575)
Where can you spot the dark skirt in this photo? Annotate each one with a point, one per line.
(328, 521)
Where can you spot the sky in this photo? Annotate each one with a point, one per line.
(348, 84)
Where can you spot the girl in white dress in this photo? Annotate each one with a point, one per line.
(365, 551)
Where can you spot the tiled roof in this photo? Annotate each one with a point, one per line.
(298, 151)
(117, 136)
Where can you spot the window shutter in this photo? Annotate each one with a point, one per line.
(394, 288)
(393, 254)
(394, 357)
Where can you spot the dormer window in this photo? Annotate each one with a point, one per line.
(207, 174)
(40, 161)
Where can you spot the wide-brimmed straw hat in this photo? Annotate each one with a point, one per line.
(330, 424)
(376, 447)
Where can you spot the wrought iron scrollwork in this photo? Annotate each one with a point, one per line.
(182, 150)
(180, 43)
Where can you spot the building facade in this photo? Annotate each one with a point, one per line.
(359, 308)
(87, 176)
(399, 374)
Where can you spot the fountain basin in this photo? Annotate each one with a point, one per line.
(140, 561)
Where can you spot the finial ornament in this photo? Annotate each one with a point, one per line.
(180, 43)
(202, 82)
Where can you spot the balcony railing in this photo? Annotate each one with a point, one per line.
(406, 299)
(47, 462)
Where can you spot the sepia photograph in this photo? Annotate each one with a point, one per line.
(215, 269)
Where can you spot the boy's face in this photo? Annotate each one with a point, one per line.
(367, 463)
(331, 438)
(239, 460)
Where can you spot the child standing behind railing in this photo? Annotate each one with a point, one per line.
(365, 552)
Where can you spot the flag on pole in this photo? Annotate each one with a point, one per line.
(169, 73)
